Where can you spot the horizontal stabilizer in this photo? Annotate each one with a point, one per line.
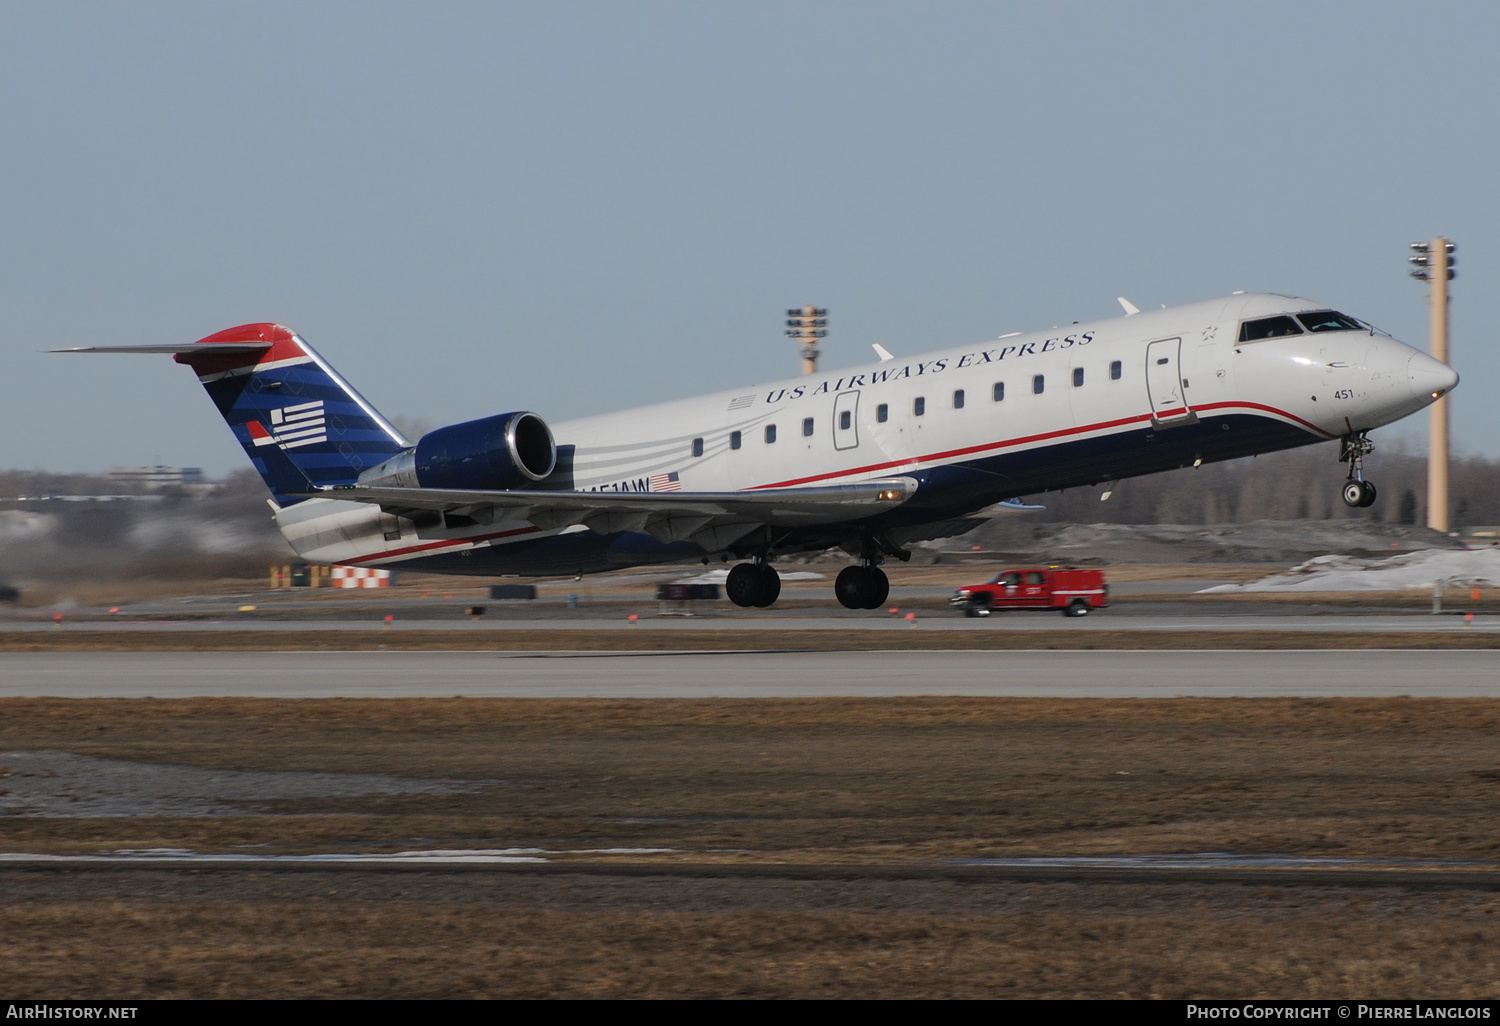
(173, 350)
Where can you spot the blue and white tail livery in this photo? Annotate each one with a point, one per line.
(302, 425)
(866, 459)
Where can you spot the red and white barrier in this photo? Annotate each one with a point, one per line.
(360, 577)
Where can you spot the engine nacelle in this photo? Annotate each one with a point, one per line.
(488, 454)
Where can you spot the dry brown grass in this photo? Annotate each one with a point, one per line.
(397, 937)
(853, 781)
(837, 780)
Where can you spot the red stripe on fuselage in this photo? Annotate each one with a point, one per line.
(1011, 443)
(447, 543)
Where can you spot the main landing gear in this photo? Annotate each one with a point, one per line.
(1352, 450)
(752, 584)
(862, 587)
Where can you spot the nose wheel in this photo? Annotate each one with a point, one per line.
(1353, 449)
(752, 584)
(862, 587)
(1359, 493)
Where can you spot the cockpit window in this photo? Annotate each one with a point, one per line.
(1329, 320)
(1269, 327)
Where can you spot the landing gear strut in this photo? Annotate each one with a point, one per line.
(1352, 450)
(752, 584)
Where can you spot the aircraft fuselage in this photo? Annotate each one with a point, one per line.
(974, 425)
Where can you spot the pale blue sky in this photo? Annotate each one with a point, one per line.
(569, 207)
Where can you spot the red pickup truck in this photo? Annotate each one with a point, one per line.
(1064, 588)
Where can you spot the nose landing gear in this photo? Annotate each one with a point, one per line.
(752, 584)
(1353, 449)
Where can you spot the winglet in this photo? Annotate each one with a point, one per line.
(881, 351)
(1130, 308)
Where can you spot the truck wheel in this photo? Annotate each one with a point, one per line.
(1078, 607)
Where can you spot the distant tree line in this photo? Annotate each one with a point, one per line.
(1295, 485)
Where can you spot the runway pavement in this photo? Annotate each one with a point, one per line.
(1111, 620)
(1079, 674)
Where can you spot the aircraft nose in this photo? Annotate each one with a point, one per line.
(1430, 379)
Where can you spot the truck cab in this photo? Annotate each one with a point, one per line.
(1065, 589)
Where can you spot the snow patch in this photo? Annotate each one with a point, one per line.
(1446, 568)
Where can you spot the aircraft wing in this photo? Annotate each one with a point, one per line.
(713, 519)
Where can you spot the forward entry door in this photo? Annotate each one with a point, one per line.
(1164, 385)
(846, 420)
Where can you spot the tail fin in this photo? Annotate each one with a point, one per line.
(300, 423)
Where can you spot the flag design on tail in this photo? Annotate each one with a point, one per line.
(292, 426)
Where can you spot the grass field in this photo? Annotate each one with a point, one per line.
(848, 783)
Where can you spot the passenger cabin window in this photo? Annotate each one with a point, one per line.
(807, 427)
(882, 413)
(1010, 580)
(958, 399)
(999, 391)
(845, 420)
(770, 433)
(1035, 577)
(1329, 320)
(1077, 376)
(919, 405)
(697, 447)
(1268, 327)
(1038, 383)
(1115, 370)
(734, 439)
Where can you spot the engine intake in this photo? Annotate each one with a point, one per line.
(489, 454)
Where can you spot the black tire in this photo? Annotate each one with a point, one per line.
(1353, 493)
(1078, 607)
(1369, 499)
(850, 587)
(743, 584)
(770, 586)
(879, 588)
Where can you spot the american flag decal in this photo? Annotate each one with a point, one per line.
(292, 426)
(665, 482)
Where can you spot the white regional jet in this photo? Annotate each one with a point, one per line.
(867, 459)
